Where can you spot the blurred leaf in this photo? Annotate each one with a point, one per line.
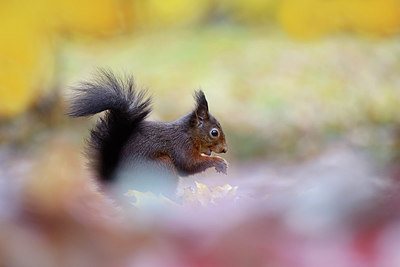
(313, 18)
(203, 196)
(379, 17)
(161, 14)
(56, 175)
(91, 17)
(25, 57)
(148, 199)
(26, 49)
(252, 11)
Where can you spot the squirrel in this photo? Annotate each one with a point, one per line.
(123, 137)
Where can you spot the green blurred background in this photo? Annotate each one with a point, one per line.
(285, 78)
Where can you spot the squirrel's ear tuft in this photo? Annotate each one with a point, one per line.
(201, 112)
(201, 99)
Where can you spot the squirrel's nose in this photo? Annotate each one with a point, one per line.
(224, 150)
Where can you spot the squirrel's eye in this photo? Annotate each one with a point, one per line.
(214, 132)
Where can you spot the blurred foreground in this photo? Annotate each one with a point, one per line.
(336, 210)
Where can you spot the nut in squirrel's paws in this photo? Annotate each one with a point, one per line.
(221, 166)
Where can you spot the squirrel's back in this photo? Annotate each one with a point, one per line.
(126, 107)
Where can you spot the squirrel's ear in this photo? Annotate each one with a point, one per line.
(201, 112)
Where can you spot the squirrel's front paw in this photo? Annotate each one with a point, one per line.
(221, 166)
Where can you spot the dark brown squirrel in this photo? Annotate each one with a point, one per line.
(123, 136)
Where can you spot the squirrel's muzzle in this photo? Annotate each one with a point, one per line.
(222, 149)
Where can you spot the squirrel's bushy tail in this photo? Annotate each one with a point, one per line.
(126, 108)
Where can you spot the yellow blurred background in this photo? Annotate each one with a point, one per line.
(284, 77)
(35, 33)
